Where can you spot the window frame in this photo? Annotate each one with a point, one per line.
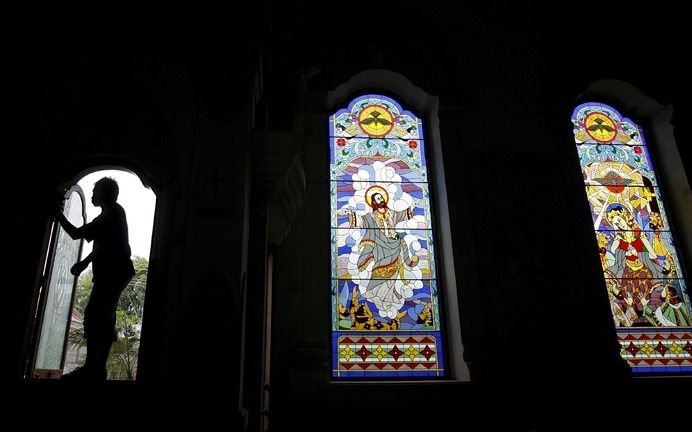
(654, 123)
(425, 107)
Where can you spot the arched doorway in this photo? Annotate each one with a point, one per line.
(58, 344)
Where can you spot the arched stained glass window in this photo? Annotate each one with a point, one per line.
(648, 295)
(385, 303)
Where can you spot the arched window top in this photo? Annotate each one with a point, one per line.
(363, 113)
(385, 297)
(605, 137)
(598, 123)
(59, 326)
(377, 126)
(641, 266)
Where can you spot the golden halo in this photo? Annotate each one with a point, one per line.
(372, 190)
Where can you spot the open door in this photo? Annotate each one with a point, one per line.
(57, 292)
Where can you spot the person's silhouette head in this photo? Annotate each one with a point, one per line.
(105, 192)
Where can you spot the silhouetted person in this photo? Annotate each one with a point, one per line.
(112, 270)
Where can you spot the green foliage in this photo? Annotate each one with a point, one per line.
(122, 361)
(75, 339)
(84, 286)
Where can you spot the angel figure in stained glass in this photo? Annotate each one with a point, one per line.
(634, 265)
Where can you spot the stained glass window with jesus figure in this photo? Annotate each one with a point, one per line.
(384, 289)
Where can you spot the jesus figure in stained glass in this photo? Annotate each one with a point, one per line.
(383, 254)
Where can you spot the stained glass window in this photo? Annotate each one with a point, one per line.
(384, 291)
(648, 295)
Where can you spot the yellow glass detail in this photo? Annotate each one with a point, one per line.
(411, 352)
(600, 127)
(375, 120)
(647, 349)
(379, 353)
(347, 353)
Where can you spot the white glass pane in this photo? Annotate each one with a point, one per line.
(60, 288)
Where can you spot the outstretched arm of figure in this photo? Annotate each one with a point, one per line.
(410, 209)
(404, 215)
(615, 245)
(70, 229)
(352, 217)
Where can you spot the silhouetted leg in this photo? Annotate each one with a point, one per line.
(99, 322)
(103, 347)
(98, 327)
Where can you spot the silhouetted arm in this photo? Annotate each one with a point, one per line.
(82, 265)
(70, 229)
(88, 231)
